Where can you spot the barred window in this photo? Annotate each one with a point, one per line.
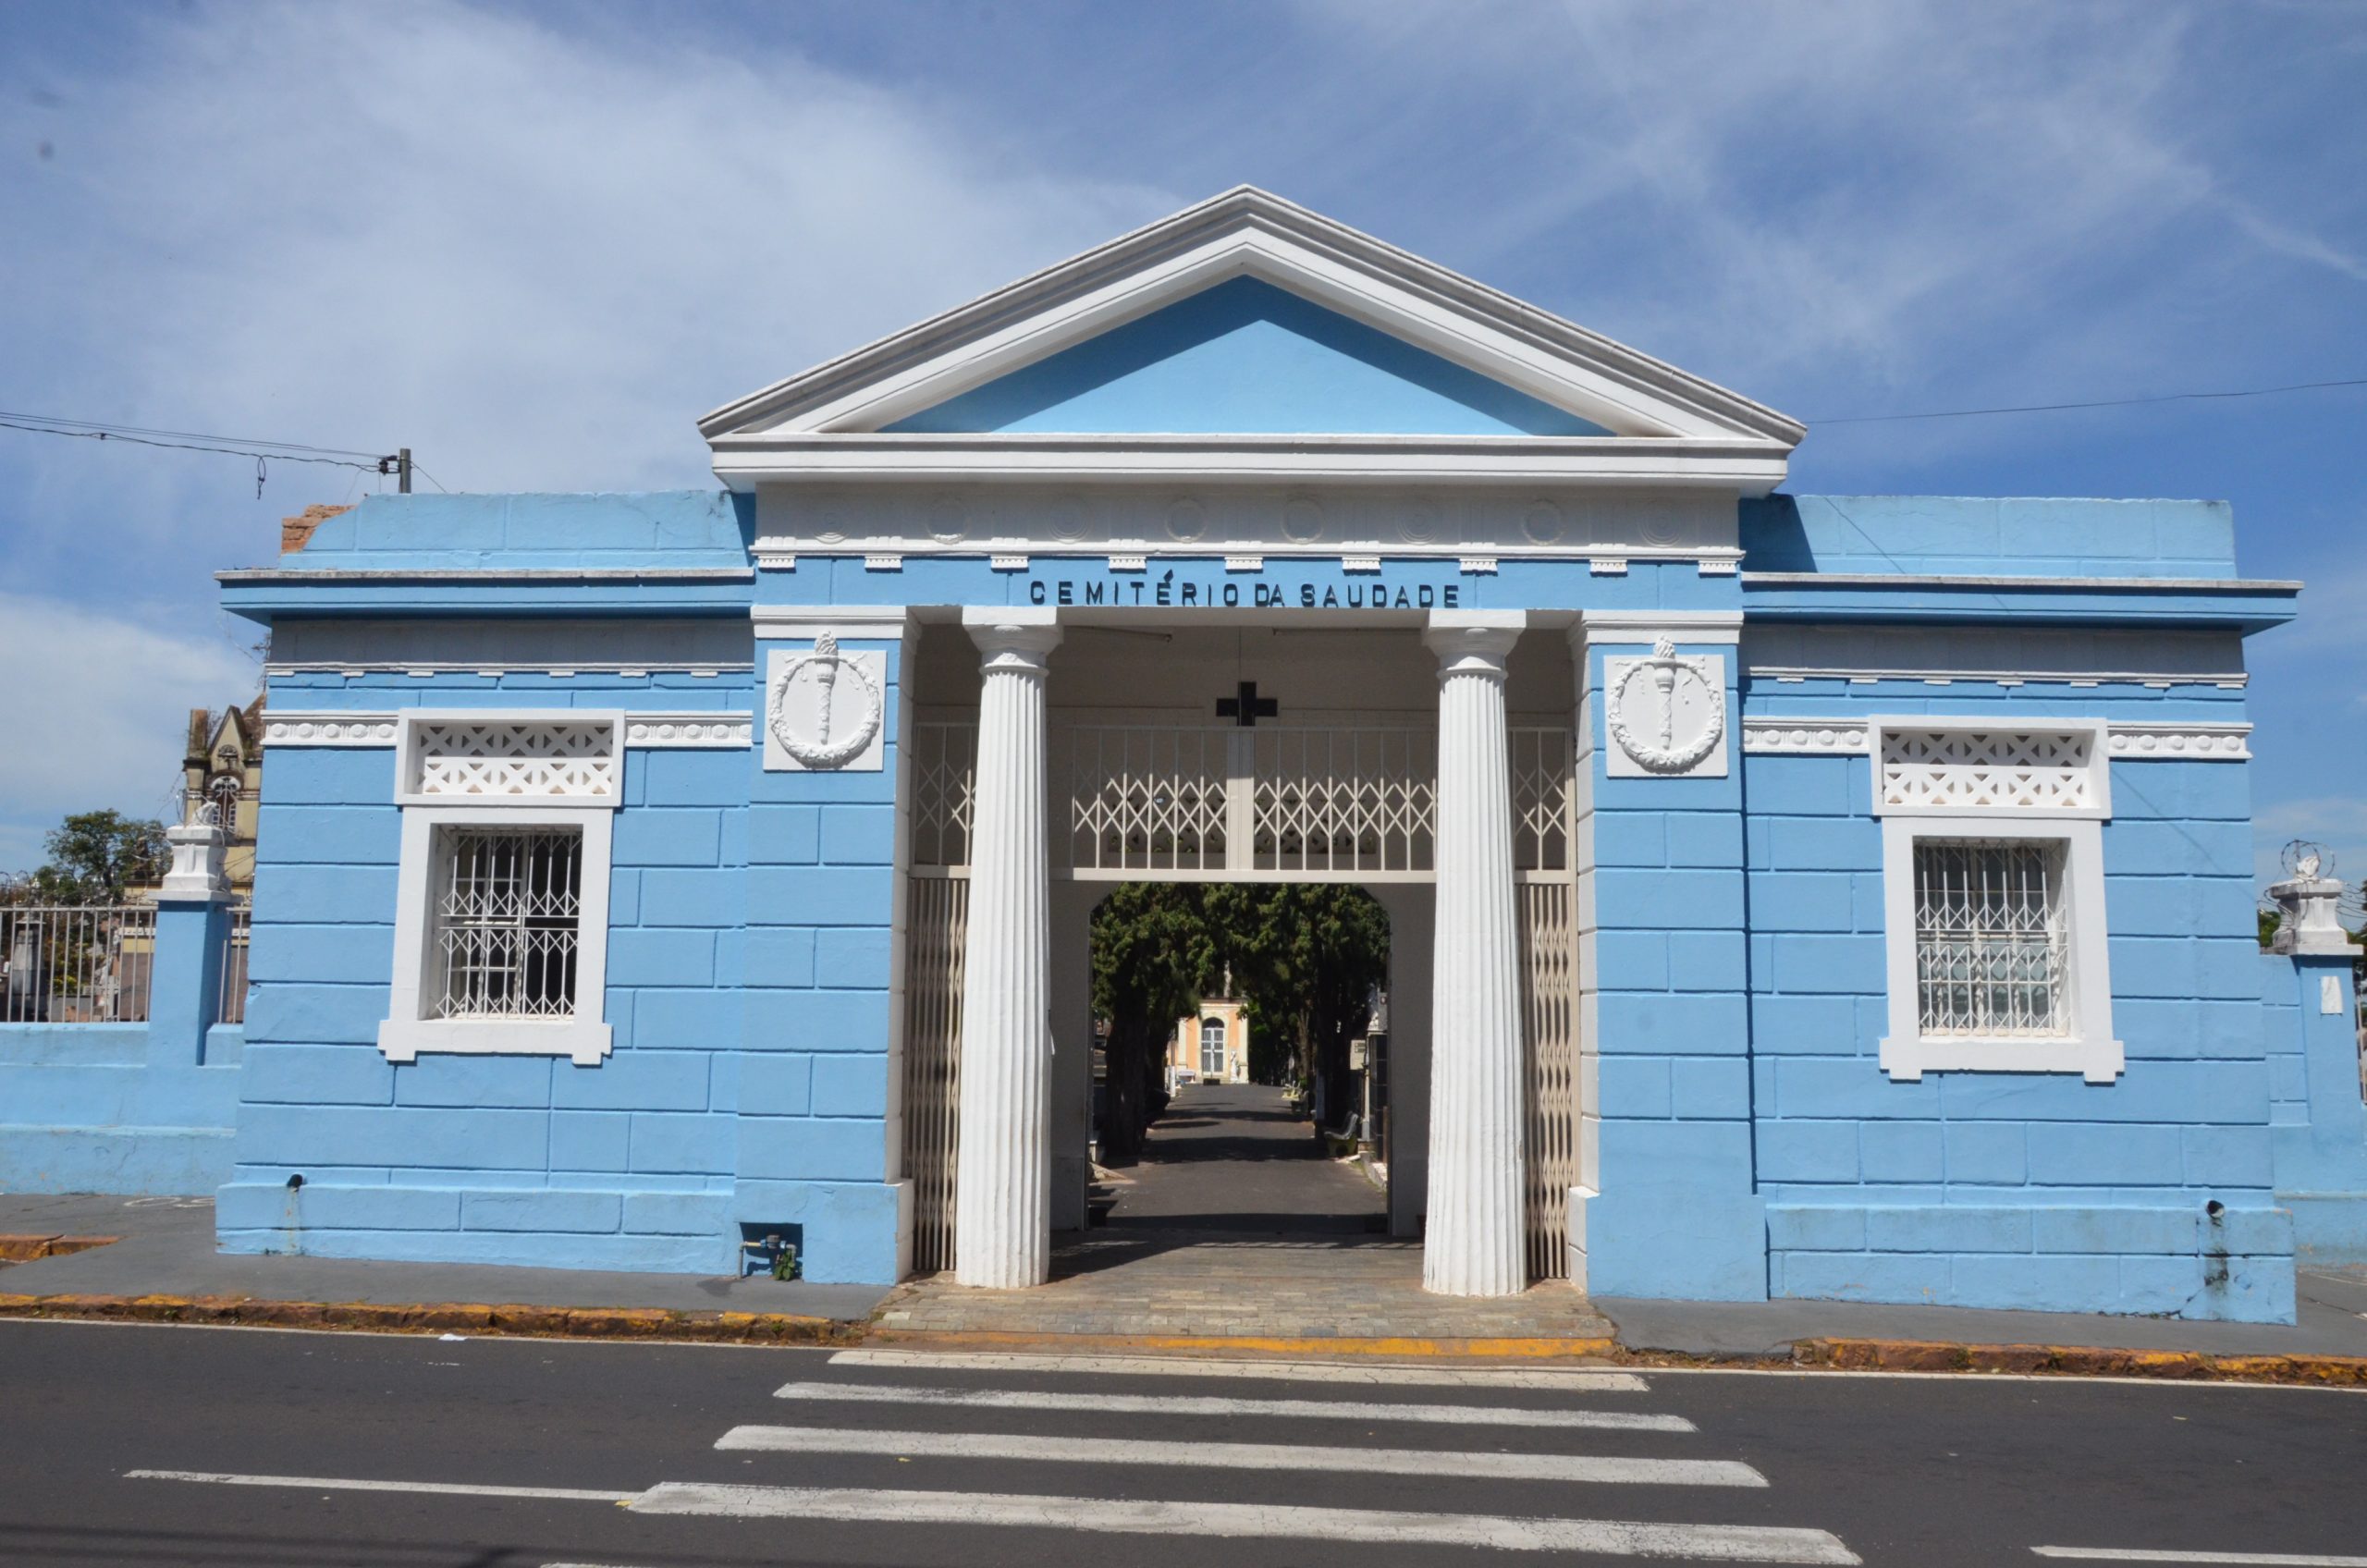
(1992, 945)
(508, 917)
(1213, 1047)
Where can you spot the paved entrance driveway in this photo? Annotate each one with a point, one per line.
(1232, 1158)
(1236, 1225)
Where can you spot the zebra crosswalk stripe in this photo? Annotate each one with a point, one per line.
(1384, 1375)
(1160, 1404)
(1722, 1543)
(1586, 1468)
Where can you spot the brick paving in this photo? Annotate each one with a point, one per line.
(1235, 1224)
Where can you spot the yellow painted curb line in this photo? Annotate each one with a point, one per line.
(1528, 1349)
(2079, 1361)
(437, 1317)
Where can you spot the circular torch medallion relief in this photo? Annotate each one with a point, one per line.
(1675, 685)
(809, 713)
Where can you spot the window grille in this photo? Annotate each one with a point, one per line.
(507, 918)
(1213, 1047)
(1992, 945)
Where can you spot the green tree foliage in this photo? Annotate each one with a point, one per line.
(1152, 961)
(95, 857)
(1303, 960)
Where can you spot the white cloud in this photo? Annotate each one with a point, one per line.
(1841, 199)
(96, 709)
(532, 253)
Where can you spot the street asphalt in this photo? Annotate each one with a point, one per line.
(320, 1449)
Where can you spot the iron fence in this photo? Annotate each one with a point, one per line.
(86, 963)
(233, 1007)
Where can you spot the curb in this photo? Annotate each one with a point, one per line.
(446, 1317)
(2079, 1361)
(1254, 1345)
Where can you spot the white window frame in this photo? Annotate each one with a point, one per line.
(2090, 1046)
(585, 1037)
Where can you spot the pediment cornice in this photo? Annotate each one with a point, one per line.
(789, 429)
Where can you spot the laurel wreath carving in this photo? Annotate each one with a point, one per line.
(1667, 759)
(828, 751)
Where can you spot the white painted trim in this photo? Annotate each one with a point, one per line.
(690, 729)
(1800, 736)
(1736, 469)
(644, 729)
(409, 721)
(1827, 735)
(1249, 232)
(329, 728)
(2091, 1049)
(493, 669)
(883, 623)
(585, 1038)
(2180, 743)
(2099, 764)
(1645, 627)
(1858, 675)
(1953, 579)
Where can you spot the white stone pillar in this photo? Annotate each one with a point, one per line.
(1003, 1178)
(1473, 1243)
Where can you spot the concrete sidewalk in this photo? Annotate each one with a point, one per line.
(2333, 1321)
(167, 1250)
(1192, 1286)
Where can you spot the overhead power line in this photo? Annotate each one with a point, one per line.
(2093, 403)
(65, 426)
(398, 463)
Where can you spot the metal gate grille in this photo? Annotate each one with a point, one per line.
(1549, 974)
(936, 926)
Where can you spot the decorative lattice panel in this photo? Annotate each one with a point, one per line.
(1345, 800)
(1542, 787)
(1144, 798)
(554, 759)
(945, 783)
(1549, 951)
(1944, 771)
(1992, 947)
(937, 931)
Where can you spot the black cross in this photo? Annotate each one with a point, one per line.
(1247, 707)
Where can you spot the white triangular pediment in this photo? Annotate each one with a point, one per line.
(1249, 233)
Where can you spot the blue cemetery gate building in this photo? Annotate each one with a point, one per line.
(1790, 896)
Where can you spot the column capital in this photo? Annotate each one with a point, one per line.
(1013, 636)
(1473, 641)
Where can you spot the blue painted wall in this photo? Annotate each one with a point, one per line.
(2320, 1121)
(128, 1108)
(2016, 1190)
(1985, 535)
(1246, 358)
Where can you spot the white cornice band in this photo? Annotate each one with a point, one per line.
(1626, 627)
(879, 623)
(1818, 736)
(701, 730)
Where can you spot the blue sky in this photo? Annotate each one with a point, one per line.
(534, 242)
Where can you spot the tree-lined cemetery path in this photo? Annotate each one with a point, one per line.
(1234, 1159)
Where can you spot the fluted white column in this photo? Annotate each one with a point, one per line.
(1473, 1243)
(1002, 1177)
